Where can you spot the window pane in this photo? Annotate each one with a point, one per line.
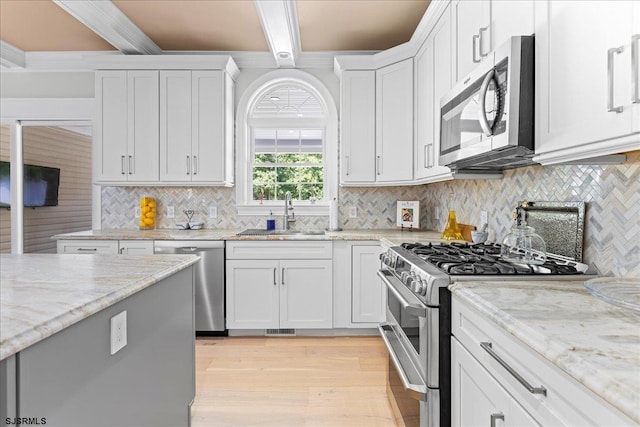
(281, 189)
(311, 190)
(264, 175)
(311, 141)
(310, 174)
(264, 191)
(286, 175)
(264, 140)
(264, 158)
(288, 140)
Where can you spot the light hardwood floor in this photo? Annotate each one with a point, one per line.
(291, 382)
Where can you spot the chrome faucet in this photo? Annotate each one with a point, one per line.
(288, 206)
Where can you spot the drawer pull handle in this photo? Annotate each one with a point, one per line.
(87, 249)
(496, 417)
(534, 390)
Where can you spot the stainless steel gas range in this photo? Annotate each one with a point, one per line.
(417, 331)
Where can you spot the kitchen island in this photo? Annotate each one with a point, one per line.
(596, 346)
(58, 359)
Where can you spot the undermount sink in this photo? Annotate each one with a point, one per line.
(262, 232)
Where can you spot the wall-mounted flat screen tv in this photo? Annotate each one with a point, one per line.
(41, 185)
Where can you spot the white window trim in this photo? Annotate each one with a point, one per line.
(251, 96)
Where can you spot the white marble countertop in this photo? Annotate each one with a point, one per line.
(41, 294)
(594, 342)
(392, 236)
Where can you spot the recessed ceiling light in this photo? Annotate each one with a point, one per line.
(284, 55)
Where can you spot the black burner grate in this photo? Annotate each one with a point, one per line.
(481, 259)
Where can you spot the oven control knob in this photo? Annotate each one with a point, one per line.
(422, 289)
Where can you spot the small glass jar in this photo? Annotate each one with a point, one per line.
(523, 245)
(147, 213)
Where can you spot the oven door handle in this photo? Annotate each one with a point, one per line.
(416, 308)
(415, 384)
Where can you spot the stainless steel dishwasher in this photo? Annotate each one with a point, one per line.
(209, 281)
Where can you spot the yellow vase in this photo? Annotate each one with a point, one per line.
(147, 213)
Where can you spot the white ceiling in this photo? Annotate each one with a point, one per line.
(233, 26)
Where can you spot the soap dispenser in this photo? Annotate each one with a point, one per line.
(271, 221)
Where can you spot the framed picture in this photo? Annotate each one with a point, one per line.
(408, 214)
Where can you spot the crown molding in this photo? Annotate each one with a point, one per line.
(11, 56)
(397, 53)
(106, 20)
(181, 61)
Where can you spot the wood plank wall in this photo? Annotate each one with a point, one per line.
(71, 153)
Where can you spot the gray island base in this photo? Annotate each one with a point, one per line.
(70, 378)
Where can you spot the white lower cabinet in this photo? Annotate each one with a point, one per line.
(123, 247)
(87, 246)
(368, 294)
(497, 380)
(279, 293)
(135, 247)
(478, 399)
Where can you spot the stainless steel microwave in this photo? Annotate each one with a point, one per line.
(487, 118)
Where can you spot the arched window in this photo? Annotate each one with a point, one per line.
(287, 128)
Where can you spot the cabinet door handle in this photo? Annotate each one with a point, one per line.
(482, 30)
(195, 165)
(348, 168)
(476, 37)
(275, 282)
(188, 166)
(426, 156)
(635, 72)
(496, 417)
(122, 165)
(282, 277)
(377, 165)
(131, 171)
(534, 390)
(610, 75)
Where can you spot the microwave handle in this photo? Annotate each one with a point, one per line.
(484, 123)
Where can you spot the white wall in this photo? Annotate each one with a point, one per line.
(31, 84)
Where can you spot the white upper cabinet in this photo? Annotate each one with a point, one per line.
(358, 127)
(377, 125)
(158, 123)
(126, 126)
(433, 78)
(586, 79)
(394, 122)
(195, 134)
(482, 25)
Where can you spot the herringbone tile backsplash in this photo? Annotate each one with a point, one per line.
(611, 193)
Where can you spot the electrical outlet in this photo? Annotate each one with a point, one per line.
(353, 212)
(484, 218)
(171, 212)
(137, 212)
(436, 213)
(118, 332)
(213, 212)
